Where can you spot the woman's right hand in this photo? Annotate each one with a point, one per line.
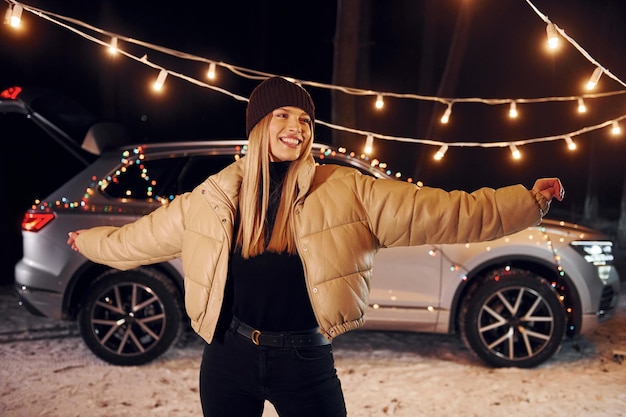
(71, 240)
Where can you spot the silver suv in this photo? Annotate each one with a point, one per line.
(511, 300)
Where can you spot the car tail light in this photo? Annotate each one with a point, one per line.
(34, 222)
(11, 93)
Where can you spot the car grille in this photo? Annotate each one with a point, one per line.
(608, 300)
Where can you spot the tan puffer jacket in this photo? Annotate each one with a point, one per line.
(342, 219)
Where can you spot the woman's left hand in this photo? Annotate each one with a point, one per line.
(550, 188)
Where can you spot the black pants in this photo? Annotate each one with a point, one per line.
(236, 377)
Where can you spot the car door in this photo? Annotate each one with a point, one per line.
(406, 289)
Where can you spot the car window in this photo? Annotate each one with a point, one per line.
(198, 168)
(165, 177)
(170, 176)
(347, 163)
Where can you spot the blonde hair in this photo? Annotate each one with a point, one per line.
(254, 196)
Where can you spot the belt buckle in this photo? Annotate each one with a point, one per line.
(254, 336)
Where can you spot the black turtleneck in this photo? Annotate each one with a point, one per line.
(269, 291)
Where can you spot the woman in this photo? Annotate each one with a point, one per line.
(277, 254)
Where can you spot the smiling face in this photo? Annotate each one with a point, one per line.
(289, 130)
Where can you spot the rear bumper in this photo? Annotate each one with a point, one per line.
(37, 299)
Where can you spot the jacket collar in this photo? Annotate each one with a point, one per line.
(228, 181)
(305, 177)
(230, 178)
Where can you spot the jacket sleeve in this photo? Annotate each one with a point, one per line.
(153, 238)
(405, 214)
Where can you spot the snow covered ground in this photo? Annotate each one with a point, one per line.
(46, 371)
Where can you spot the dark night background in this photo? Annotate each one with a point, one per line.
(445, 48)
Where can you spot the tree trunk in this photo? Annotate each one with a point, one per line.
(621, 224)
(352, 21)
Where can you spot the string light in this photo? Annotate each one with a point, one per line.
(581, 105)
(211, 72)
(513, 110)
(515, 152)
(369, 142)
(595, 77)
(441, 152)
(615, 128)
(253, 74)
(113, 46)
(570, 143)
(446, 114)
(158, 84)
(379, 101)
(553, 37)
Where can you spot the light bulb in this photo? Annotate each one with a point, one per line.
(211, 72)
(16, 16)
(513, 110)
(553, 37)
(595, 77)
(158, 84)
(615, 128)
(446, 115)
(113, 46)
(379, 101)
(441, 152)
(515, 152)
(581, 106)
(369, 141)
(570, 143)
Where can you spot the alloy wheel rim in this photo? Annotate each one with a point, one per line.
(516, 323)
(128, 319)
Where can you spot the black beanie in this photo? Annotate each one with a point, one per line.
(273, 93)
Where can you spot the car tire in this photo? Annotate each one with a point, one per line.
(513, 319)
(130, 317)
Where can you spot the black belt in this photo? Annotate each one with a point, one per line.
(310, 337)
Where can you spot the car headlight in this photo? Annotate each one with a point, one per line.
(595, 252)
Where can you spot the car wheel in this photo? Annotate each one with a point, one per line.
(513, 319)
(130, 317)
